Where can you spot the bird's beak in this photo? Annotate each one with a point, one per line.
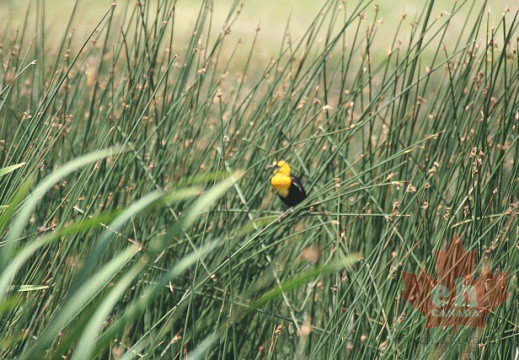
(271, 166)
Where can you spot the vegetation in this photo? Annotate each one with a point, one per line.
(136, 214)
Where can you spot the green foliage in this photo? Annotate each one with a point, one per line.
(136, 215)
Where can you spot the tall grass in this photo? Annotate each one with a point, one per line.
(137, 218)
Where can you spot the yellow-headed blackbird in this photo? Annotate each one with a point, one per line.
(288, 187)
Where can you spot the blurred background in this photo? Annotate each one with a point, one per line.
(272, 16)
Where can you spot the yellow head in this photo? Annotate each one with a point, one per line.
(280, 168)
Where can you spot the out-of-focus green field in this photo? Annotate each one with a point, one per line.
(271, 15)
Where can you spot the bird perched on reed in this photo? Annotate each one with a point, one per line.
(287, 186)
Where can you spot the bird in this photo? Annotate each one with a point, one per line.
(288, 187)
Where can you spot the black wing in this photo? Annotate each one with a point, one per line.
(296, 192)
(298, 185)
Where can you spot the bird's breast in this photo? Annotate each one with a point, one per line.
(281, 183)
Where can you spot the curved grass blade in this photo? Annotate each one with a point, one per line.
(35, 197)
(28, 251)
(10, 169)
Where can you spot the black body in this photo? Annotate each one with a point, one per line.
(296, 192)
